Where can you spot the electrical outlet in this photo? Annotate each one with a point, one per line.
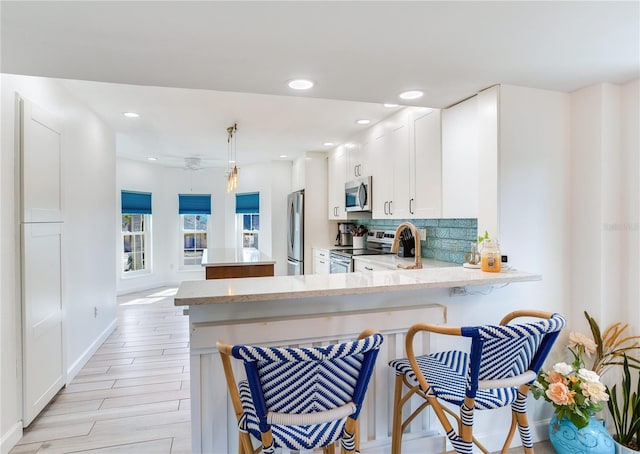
(504, 259)
(423, 233)
(457, 291)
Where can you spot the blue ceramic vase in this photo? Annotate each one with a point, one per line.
(566, 438)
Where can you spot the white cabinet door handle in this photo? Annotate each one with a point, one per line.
(411, 206)
(386, 204)
(390, 207)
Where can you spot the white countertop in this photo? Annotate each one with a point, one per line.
(218, 291)
(234, 257)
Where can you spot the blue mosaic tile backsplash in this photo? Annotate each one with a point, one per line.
(447, 239)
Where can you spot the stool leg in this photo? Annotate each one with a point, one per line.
(396, 433)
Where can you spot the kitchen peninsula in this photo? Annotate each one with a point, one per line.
(310, 310)
(236, 263)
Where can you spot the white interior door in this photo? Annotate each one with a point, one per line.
(43, 371)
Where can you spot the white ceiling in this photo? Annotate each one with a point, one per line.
(357, 52)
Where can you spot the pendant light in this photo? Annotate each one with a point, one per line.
(232, 168)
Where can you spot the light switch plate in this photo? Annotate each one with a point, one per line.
(423, 233)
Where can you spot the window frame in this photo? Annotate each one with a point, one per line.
(243, 232)
(183, 232)
(145, 234)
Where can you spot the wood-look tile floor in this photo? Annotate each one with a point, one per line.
(133, 395)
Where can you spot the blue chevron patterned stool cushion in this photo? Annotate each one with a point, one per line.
(304, 396)
(446, 373)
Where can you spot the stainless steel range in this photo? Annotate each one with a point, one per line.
(378, 242)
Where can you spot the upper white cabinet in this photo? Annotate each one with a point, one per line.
(359, 157)
(426, 163)
(460, 160)
(337, 168)
(470, 142)
(407, 153)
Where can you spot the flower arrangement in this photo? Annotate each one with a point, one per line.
(575, 391)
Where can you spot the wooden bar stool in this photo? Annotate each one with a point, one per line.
(301, 398)
(502, 364)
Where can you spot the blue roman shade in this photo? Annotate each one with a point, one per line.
(194, 203)
(248, 203)
(136, 202)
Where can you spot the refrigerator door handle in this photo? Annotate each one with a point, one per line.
(291, 224)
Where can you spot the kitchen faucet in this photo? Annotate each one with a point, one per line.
(417, 264)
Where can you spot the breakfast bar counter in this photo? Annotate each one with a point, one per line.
(311, 310)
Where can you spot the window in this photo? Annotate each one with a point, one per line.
(194, 210)
(248, 211)
(194, 235)
(136, 222)
(250, 230)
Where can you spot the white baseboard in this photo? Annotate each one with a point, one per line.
(11, 438)
(73, 370)
(145, 287)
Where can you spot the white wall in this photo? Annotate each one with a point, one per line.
(88, 242)
(273, 181)
(310, 172)
(604, 189)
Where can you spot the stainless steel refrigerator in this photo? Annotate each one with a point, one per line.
(295, 233)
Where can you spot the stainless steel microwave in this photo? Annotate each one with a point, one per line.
(357, 195)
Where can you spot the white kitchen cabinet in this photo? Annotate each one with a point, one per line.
(359, 156)
(470, 142)
(399, 150)
(337, 171)
(460, 160)
(320, 261)
(390, 149)
(382, 173)
(407, 182)
(365, 265)
(426, 165)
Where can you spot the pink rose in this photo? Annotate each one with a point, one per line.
(560, 394)
(555, 377)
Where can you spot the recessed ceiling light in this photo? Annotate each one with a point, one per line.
(411, 94)
(389, 105)
(363, 121)
(300, 84)
(131, 114)
(152, 158)
(284, 156)
(328, 144)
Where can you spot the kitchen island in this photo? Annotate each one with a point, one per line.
(221, 263)
(311, 310)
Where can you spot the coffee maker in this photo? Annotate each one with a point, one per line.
(345, 234)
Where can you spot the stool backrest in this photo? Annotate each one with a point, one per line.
(308, 380)
(500, 353)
